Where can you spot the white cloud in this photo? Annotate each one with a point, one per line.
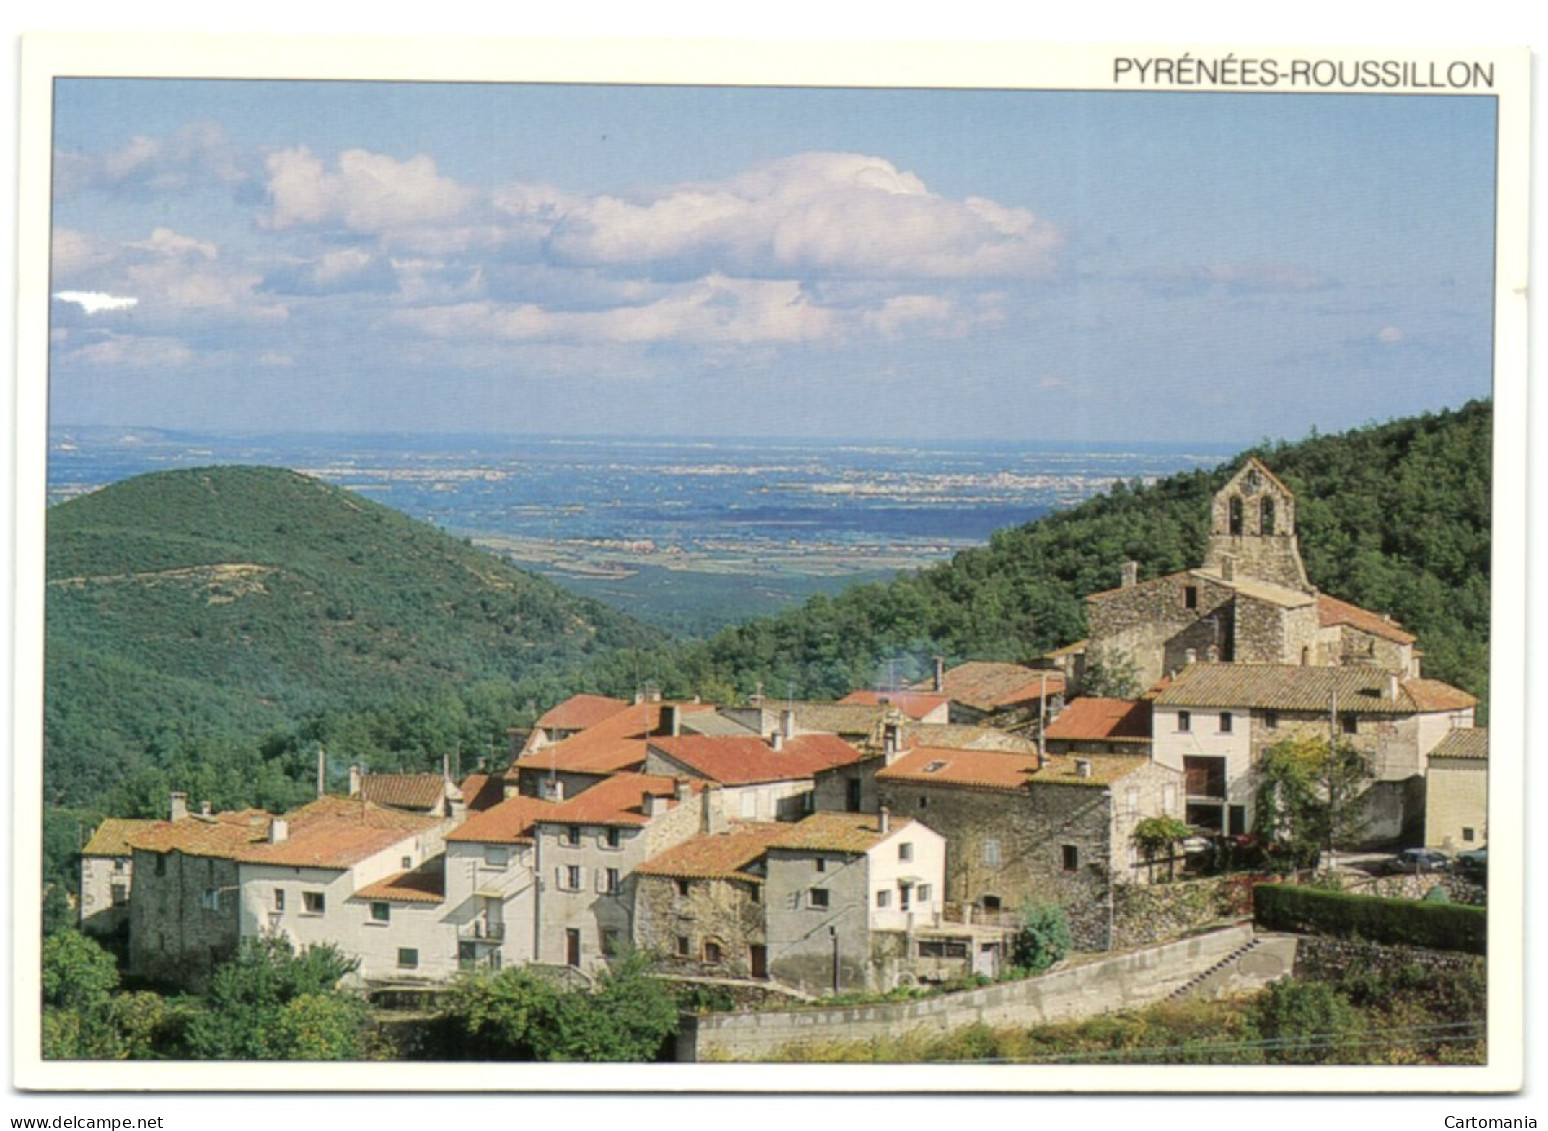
(199, 153)
(93, 302)
(1389, 334)
(369, 192)
(124, 351)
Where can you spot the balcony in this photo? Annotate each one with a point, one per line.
(482, 930)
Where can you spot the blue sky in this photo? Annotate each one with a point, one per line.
(907, 264)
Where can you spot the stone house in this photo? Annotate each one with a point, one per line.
(760, 779)
(490, 888)
(851, 787)
(985, 693)
(107, 876)
(585, 852)
(184, 919)
(843, 893)
(303, 880)
(1095, 725)
(1456, 787)
(1213, 722)
(1020, 829)
(1249, 603)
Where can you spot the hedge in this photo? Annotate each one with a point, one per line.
(1398, 922)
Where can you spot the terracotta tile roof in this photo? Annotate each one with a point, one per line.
(717, 855)
(987, 686)
(983, 769)
(111, 837)
(425, 884)
(404, 791)
(1104, 720)
(509, 822)
(1331, 611)
(1464, 742)
(581, 711)
(1433, 695)
(914, 704)
(1285, 687)
(838, 832)
(616, 800)
(483, 791)
(220, 837)
(615, 744)
(748, 760)
(955, 736)
(337, 832)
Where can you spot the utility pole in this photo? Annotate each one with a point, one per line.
(833, 934)
(1042, 715)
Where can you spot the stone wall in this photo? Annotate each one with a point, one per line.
(1125, 981)
(1330, 959)
(716, 911)
(176, 936)
(1145, 914)
(1152, 625)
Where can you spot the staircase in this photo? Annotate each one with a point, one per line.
(1205, 984)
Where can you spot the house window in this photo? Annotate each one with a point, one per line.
(684, 946)
(571, 836)
(1467, 835)
(610, 881)
(1071, 858)
(904, 893)
(408, 958)
(120, 895)
(924, 802)
(120, 864)
(279, 899)
(210, 900)
(754, 893)
(1226, 722)
(817, 899)
(611, 942)
(942, 948)
(992, 853)
(883, 898)
(1271, 720)
(614, 838)
(1190, 596)
(572, 877)
(922, 893)
(821, 864)
(1235, 508)
(496, 857)
(990, 902)
(381, 912)
(1349, 723)
(313, 902)
(406, 863)
(905, 852)
(1266, 516)
(161, 865)
(682, 888)
(1184, 721)
(712, 952)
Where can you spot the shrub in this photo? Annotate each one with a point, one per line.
(1401, 922)
(1043, 939)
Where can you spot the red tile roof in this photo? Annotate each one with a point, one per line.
(723, 855)
(483, 791)
(1331, 611)
(581, 711)
(219, 837)
(509, 822)
(986, 686)
(615, 744)
(838, 832)
(1105, 720)
(989, 769)
(404, 791)
(1433, 695)
(111, 837)
(1471, 743)
(337, 832)
(616, 800)
(749, 760)
(914, 704)
(1289, 687)
(423, 885)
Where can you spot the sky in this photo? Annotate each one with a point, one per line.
(1068, 266)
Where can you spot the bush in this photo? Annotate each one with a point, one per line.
(1043, 939)
(1308, 1023)
(1399, 922)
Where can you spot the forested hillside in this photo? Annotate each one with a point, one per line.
(1393, 517)
(192, 613)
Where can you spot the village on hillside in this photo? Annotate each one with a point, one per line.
(891, 838)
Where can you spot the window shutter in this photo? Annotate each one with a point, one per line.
(601, 877)
(559, 877)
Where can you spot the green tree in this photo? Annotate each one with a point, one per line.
(78, 981)
(246, 1017)
(1308, 796)
(322, 1026)
(1042, 939)
(1110, 676)
(1308, 1023)
(1155, 835)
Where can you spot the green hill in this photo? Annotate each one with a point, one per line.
(1393, 517)
(224, 603)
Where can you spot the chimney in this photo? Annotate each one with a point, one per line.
(757, 696)
(1082, 767)
(1130, 574)
(1212, 653)
(553, 790)
(787, 725)
(322, 771)
(354, 781)
(279, 830)
(1228, 567)
(204, 809)
(671, 719)
(1392, 685)
(1190, 656)
(446, 767)
(179, 807)
(650, 805)
(886, 820)
(681, 790)
(777, 741)
(940, 673)
(712, 813)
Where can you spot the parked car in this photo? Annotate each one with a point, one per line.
(1472, 865)
(1419, 860)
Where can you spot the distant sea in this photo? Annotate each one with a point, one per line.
(689, 532)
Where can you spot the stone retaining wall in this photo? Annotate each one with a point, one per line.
(1318, 957)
